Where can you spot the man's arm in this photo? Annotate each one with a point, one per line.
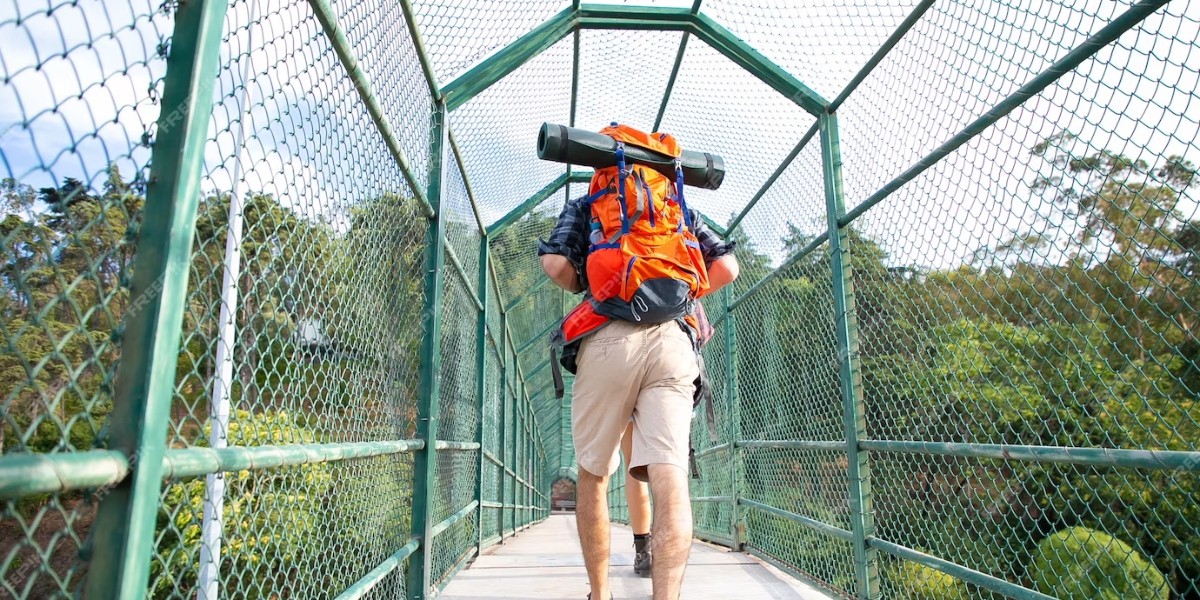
(721, 272)
(562, 272)
(564, 251)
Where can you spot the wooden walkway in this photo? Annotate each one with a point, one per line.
(544, 563)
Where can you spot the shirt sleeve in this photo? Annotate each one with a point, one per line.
(568, 238)
(710, 243)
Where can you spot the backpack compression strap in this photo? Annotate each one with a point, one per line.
(687, 215)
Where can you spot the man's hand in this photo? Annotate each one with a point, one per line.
(561, 272)
(721, 272)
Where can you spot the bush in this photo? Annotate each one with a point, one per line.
(270, 517)
(919, 582)
(1085, 564)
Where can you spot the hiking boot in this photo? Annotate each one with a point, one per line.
(641, 557)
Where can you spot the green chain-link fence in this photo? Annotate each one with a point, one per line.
(274, 326)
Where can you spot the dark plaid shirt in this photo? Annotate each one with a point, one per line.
(569, 237)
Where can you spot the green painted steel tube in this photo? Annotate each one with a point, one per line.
(363, 587)
(536, 338)
(341, 46)
(793, 444)
(123, 532)
(505, 387)
(192, 462)
(26, 474)
(462, 170)
(602, 16)
(662, 106)
(462, 274)
(713, 499)
(481, 352)
(731, 399)
(883, 50)
(529, 204)
(574, 76)
(813, 524)
(580, 177)
(527, 293)
(712, 450)
(1074, 58)
(717, 229)
(756, 64)
(538, 369)
(1102, 457)
(410, 20)
(430, 358)
(968, 575)
(494, 68)
(787, 162)
(791, 260)
(455, 446)
(29, 474)
(712, 538)
(449, 521)
(866, 561)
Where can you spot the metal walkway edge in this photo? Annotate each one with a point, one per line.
(544, 563)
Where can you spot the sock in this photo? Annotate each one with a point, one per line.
(641, 541)
(641, 536)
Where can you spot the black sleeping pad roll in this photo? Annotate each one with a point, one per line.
(559, 143)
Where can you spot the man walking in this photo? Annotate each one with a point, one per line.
(644, 259)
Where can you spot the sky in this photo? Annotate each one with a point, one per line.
(81, 82)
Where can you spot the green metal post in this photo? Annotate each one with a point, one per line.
(481, 380)
(683, 40)
(503, 424)
(425, 461)
(122, 539)
(862, 518)
(735, 455)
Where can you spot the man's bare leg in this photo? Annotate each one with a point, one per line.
(591, 518)
(637, 493)
(672, 536)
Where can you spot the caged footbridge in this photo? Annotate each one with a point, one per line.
(273, 326)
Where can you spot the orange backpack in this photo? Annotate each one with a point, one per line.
(644, 264)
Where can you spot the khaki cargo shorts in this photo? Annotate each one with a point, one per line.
(628, 370)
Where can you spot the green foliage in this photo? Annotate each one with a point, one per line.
(919, 582)
(1084, 564)
(1080, 331)
(270, 518)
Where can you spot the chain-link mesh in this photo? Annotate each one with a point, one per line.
(988, 372)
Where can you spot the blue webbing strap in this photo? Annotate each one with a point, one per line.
(621, 173)
(687, 216)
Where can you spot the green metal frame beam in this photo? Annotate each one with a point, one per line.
(758, 65)
(983, 580)
(496, 67)
(343, 49)
(601, 16)
(591, 16)
(123, 533)
(481, 357)
(858, 472)
(662, 106)
(363, 587)
(787, 161)
(527, 293)
(887, 46)
(1066, 64)
(529, 204)
(430, 358)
